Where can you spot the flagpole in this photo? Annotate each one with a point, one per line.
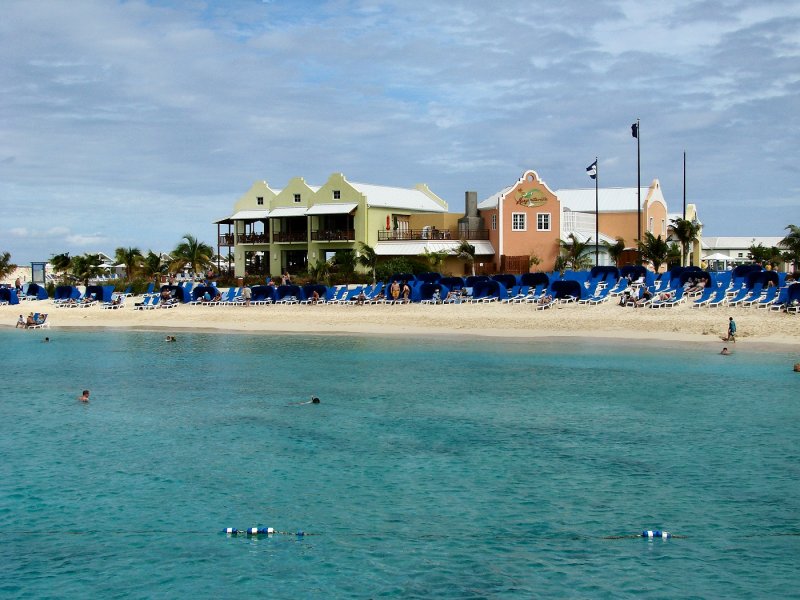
(638, 183)
(684, 185)
(596, 215)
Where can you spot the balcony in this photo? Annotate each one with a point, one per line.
(290, 236)
(429, 233)
(254, 238)
(226, 239)
(329, 235)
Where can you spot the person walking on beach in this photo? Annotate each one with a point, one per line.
(731, 330)
(247, 294)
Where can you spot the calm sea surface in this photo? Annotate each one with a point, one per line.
(431, 469)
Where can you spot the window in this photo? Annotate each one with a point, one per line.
(297, 198)
(337, 194)
(663, 227)
(517, 221)
(494, 222)
(650, 226)
(543, 222)
(260, 200)
(741, 254)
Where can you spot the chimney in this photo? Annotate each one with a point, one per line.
(470, 223)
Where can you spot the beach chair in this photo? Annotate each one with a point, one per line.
(704, 298)
(146, 303)
(112, 305)
(719, 298)
(770, 298)
(544, 303)
(39, 321)
(755, 295)
(127, 293)
(739, 297)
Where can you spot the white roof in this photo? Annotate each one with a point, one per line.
(712, 243)
(393, 197)
(491, 201)
(287, 211)
(417, 247)
(250, 214)
(332, 209)
(608, 199)
(717, 256)
(583, 236)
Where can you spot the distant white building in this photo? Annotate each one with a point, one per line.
(732, 250)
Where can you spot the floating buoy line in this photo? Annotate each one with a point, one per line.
(648, 534)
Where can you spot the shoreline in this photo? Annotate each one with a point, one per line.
(759, 329)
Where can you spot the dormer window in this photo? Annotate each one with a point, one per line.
(297, 198)
(260, 201)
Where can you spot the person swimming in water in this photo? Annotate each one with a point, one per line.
(314, 400)
(84, 396)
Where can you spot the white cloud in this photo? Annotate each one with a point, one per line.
(137, 122)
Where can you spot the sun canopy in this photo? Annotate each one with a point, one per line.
(332, 209)
(415, 248)
(718, 256)
(288, 211)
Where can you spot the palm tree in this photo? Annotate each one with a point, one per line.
(131, 258)
(345, 262)
(466, 252)
(61, 264)
(367, 259)
(686, 232)
(191, 253)
(576, 253)
(615, 251)
(6, 267)
(654, 249)
(435, 259)
(86, 267)
(792, 244)
(320, 272)
(152, 265)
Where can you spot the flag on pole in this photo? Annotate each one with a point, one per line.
(635, 130)
(591, 170)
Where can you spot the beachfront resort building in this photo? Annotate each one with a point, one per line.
(723, 252)
(527, 220)
(276, 230)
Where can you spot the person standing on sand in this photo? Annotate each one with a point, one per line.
(731, 330)
(247, 293)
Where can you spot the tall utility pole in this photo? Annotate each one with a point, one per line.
(635, 133)
(684, 185)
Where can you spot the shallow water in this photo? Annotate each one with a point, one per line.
(446, 469)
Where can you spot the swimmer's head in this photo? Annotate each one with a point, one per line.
(314, 400)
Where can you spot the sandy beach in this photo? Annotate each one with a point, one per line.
(681, 323)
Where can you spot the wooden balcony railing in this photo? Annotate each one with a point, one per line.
(226, 239)
(254, 238)
(288, 236)
(432, 234)
(328, 235)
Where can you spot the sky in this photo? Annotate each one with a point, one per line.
(132, 123)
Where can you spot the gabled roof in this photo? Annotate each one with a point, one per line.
(608, 199)
(713, 243)
(491, 201)
(394, 197)
(584, 236)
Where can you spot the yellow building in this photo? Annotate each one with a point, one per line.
(276, 230)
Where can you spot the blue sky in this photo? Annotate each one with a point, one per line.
(132, 123)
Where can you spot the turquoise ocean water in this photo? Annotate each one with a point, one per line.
(431, 469)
